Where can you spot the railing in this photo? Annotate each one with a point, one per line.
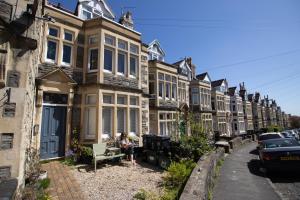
(3, 53)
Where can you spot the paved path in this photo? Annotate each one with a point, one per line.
(240, 178)
(63, 186)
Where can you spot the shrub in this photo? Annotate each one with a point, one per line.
(178, 173)
(142, 194)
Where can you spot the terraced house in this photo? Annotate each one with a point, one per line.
(247, 109)
(200, 102)
(220, 125)
(256, 111)
(236, 104)
(92, 78)
(169, 91)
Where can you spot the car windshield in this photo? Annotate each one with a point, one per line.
(281, 143)
(286, 134)
(269, 136)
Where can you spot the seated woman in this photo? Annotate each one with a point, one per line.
(127, 147)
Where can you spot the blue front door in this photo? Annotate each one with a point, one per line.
(53, 132)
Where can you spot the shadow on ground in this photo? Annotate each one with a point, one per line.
(282, 176)
(89, 168)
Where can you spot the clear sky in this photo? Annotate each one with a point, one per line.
(255, 41)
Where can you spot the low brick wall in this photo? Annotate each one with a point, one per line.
(201, 179)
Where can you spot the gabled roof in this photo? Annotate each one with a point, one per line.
(104, 7)
(157, 44)
(232, 91)
(178, 62)
(203, 76)
(58, 75)
(250, 97)
(217, 83)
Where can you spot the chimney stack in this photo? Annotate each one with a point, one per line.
(126, 20)
(193, 67)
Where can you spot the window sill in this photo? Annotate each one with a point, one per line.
(92, 71)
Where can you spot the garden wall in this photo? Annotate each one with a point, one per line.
(201, 179)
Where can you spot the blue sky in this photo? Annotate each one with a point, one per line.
(255, 41)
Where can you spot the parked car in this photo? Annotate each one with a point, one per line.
(293, 133)
(287, 135)
(280, 154)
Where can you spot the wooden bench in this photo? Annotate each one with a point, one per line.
(99, 154)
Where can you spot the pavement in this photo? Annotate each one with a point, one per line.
(63, 186)
(241, 179)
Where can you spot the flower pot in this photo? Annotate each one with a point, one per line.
(43, 175)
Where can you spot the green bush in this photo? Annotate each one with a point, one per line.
(274, 129)
(146, 195)
(178, 173)
(43, 184)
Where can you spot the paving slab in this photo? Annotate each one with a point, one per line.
(240, 178)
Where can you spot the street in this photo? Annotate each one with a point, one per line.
(241, 178)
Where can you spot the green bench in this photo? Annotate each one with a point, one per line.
(99, 154)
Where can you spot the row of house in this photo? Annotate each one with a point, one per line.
(84, 71)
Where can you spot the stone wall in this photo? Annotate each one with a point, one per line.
(120, 81)
(22, 67)
(201, 179)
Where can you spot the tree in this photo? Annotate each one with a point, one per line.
(295, 121)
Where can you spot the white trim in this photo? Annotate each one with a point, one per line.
(55, 105)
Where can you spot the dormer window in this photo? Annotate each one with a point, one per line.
(86, 15)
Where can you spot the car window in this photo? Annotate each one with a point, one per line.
(281, 143)
(268, 137)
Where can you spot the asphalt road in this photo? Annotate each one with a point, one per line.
(241, 179)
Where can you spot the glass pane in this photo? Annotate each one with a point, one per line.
(90, 122)
(121, 100)
(91, 99)
(93, 39)
(161, 76)
(108, 99)
(68, 36)
(107, 121)
(134, 101)
(134, 48)
(161, 89)
(168, 78)
(93, 59)
(108, 59)
(51, 50)
(121, 63)
(86, 15)
(122, 44)
(109, 40)
(121, 117)
(133, 120)
(53, 32)
(174, 91)
(133, 66)
(67, 50)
